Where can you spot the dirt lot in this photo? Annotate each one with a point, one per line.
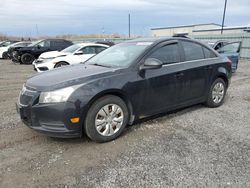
(195, 147)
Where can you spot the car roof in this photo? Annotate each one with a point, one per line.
(90, 44)
(158, 39)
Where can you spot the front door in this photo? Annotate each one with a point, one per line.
(161, 84)
(232, 51)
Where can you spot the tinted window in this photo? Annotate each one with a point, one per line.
(88, 50)
(192, 51)
(208, 53)
(45, 43)
(56, 43)
(99, 49)
(167, 54)
(230, 48)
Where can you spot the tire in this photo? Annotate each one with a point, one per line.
(5, 55)
(27, 58)
(61, 64)
(109, 128)
(217, 93)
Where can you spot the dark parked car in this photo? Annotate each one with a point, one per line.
(122, 84)
(12, 51)
(27, 55)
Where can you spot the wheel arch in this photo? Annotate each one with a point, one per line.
(62, 62)
(223, 74)
(118, 93)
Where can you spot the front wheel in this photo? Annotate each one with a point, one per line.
(217, 93)
(106, 119)
(27, 58)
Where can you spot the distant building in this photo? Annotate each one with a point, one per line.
(183, 29)
(226, 30)
(198, 29)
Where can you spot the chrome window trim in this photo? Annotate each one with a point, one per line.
(183, 62)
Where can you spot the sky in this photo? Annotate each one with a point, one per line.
(56, 17)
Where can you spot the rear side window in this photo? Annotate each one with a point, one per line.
(208, 53)
(54, 43)
(167, 54)
(192, 51)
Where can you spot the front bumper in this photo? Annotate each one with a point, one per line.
(39, 66)
(51, 119)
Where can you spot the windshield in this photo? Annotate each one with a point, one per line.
(120, 55)
(71, 49)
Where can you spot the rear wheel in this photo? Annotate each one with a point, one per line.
(217, 93)
(27, 58)
(106, 119)
(61, 64)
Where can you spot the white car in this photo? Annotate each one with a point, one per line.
(4, 49)
(74, 54)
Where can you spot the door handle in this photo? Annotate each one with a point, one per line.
(179, 74)
(208, 67)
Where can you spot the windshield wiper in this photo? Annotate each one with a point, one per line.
(101, 65)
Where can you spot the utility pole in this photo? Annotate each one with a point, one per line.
(37, 33)
(224, 13)
(128, 25)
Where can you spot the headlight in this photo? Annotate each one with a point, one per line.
(39, 61)
(57, 96)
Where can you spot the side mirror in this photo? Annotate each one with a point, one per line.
(151, 63)
(79, 53)
(39, 47)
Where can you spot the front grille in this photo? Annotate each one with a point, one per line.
(43, 68)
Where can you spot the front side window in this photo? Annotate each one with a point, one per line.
(167, 54)
(88, 50)
(193, 51)
(45, 43)
(230, 48)
(99, 49)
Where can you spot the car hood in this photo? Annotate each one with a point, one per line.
(4, 48)
(52, 54)
(68, 76)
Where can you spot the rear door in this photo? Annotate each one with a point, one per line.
(232, 51)
(195, 73)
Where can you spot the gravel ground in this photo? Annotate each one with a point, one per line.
(194, 147)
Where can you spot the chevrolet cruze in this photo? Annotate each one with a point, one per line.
(127, 82)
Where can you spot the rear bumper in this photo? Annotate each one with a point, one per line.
(52, 120)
